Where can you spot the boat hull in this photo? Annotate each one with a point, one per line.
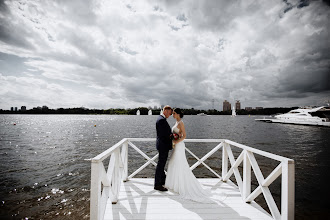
(269, 120)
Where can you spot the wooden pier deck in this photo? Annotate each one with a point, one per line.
(116, 194)
(138, 200)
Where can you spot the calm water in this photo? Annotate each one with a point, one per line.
(43, 174)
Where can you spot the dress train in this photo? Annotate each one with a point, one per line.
(180, 178)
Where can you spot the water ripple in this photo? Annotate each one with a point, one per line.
(44, 175)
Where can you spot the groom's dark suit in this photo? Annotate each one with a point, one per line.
(163, 145)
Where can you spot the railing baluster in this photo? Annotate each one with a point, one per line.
(116, 176)
(111, 167)
(124, 155)
(224, 160)
(234, 165)
(287, 200)
(265, 190)
(246, 176)
(95, 190)
(234, 168)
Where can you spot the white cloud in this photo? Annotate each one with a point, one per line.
(129, 54)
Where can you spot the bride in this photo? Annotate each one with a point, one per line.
(180, 178)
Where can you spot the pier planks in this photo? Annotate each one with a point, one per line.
(138, 200)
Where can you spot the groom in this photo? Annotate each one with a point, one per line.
(163, 145)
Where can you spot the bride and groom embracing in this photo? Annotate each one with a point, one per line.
(179, 178)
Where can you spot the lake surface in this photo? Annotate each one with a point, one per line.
(43, 174)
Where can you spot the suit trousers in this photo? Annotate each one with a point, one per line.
(160, 173)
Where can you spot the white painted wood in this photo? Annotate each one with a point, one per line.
(246, 176)
(103, 201)
(224, 159)
(204, 140)
(287, 197)
(95, 191)
(103, 175)
(273, 176)
(138, 200)
(255, 167)
(201, 161)
(118, 171)
(111, 167)
(254, 194)
(141, 152)
(265, 190)
(144, 166)
(185, 140)
(271, 203)
(117, 178)
(108, 152)
(124, 155)
(234, 166)
(260, 152)
(141, 139)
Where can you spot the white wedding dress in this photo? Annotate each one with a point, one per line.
(180, 178)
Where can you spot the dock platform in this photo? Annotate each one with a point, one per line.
(138, 200)
(117, 194)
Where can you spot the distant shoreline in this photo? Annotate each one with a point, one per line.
(143, 111)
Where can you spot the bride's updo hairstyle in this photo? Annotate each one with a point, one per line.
(178, 111)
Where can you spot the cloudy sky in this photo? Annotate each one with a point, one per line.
(126, 54)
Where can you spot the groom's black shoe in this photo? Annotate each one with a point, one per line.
(160, 188)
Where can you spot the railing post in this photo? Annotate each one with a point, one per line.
(117, 177)
(95, 191)
(246, 176)
(287, 199)
(224, 159)
(124, 156)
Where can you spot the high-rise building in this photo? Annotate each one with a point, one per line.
(11, 108)
(15, 109)
(237, 105)
(23, 108)
(226, 106)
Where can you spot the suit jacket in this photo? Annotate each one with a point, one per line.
(164, 132)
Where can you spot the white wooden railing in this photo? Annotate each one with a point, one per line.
(105, 184)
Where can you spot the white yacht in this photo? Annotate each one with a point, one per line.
(202, 114)
(138, 112)
(304, 116)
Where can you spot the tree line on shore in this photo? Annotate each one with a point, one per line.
(144, 111)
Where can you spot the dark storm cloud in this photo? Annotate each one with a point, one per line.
(3, 7)
(13, 34)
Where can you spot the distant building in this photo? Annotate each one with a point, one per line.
(238, 105)
(258, 108)
(248, 108)
(12, 109)
(226, 106)
(23, 108)
(15, 109)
